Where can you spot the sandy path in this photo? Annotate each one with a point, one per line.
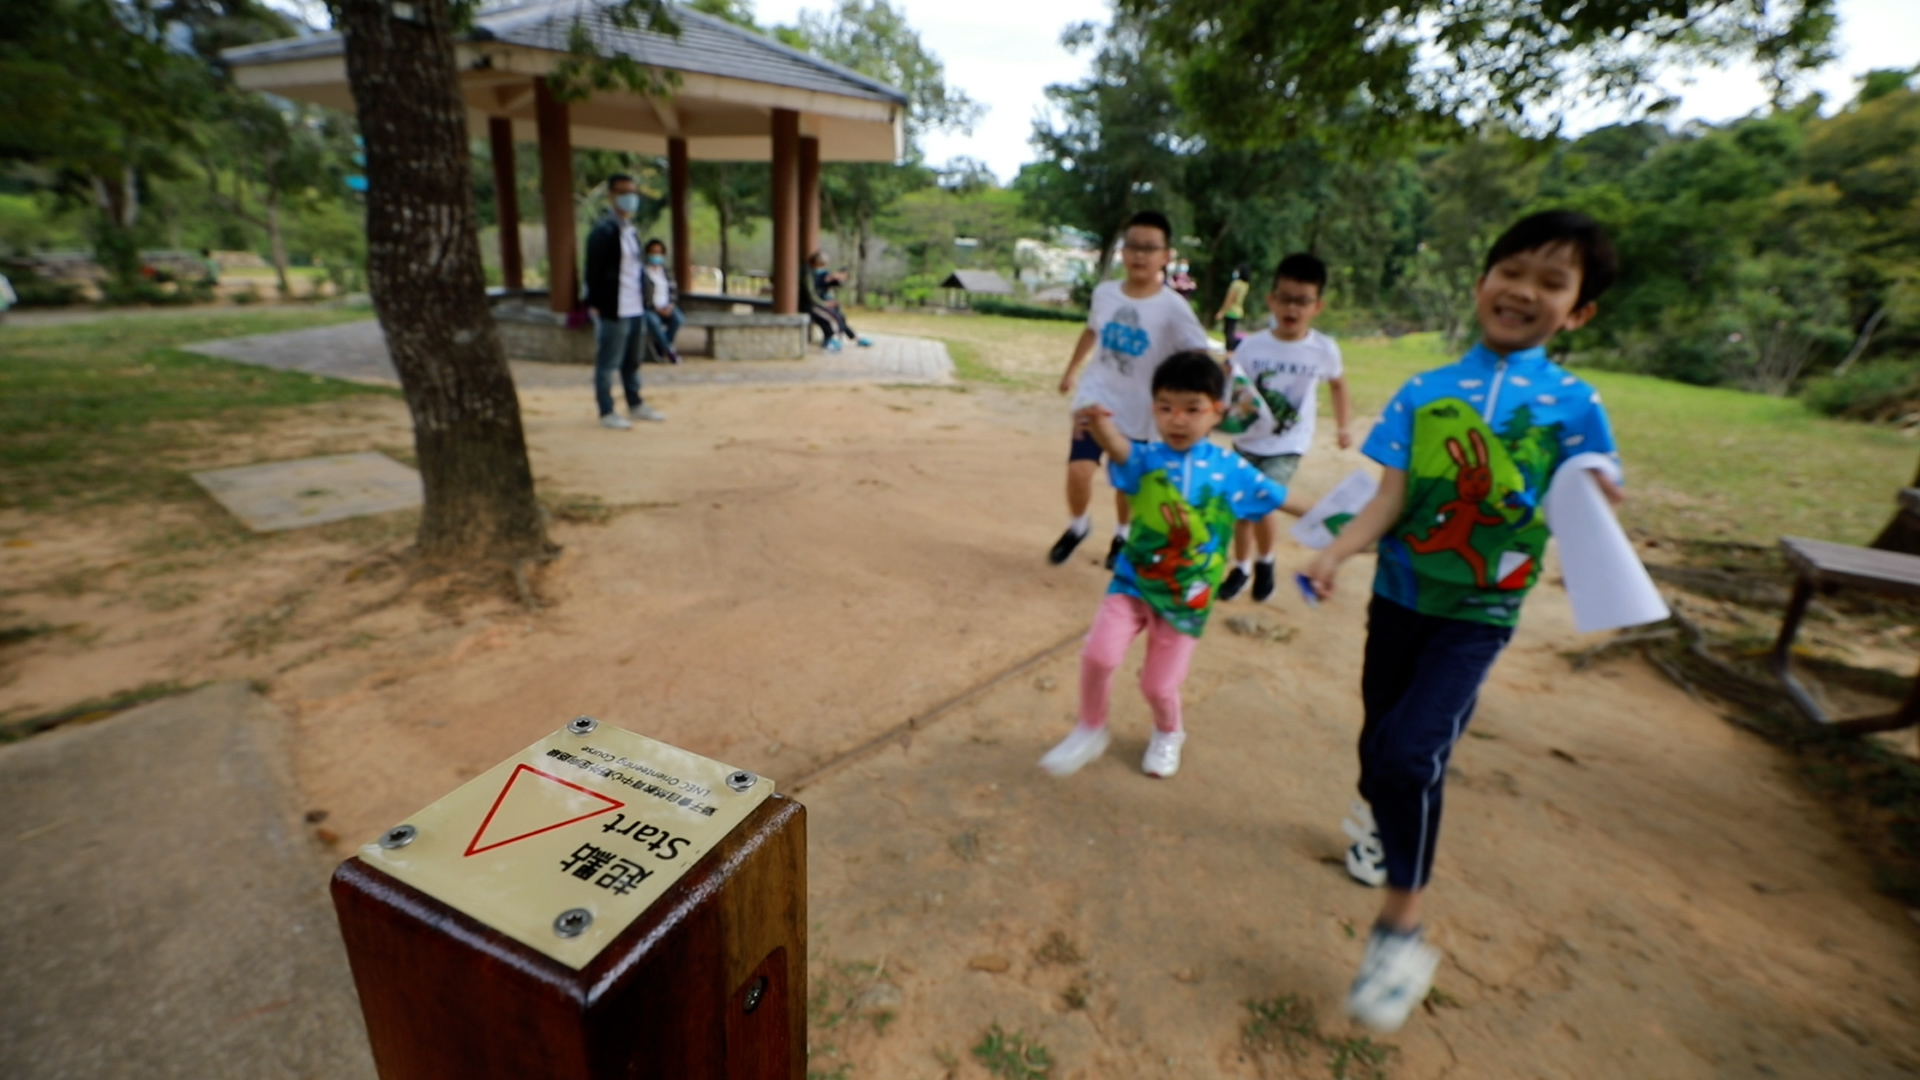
(1628, 887)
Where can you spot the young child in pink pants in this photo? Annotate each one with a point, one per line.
(1186, 494)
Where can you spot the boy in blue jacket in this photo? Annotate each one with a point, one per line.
(1466, 452)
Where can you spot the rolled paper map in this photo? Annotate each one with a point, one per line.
(1607, 584)
(1317, 528)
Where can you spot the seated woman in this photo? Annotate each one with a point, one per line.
(662, 316)
(824, 282)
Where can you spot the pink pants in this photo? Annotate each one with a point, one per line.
(1120, 620)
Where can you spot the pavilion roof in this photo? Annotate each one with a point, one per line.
(706, 44)
(726, 72)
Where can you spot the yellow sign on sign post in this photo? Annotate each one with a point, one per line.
(563, 845)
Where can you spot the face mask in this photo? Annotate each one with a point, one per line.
(656, 260)
(627, 203)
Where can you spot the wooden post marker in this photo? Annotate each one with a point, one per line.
(599, 905)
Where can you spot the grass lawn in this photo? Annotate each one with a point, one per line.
(1702, 463)
(91, 412)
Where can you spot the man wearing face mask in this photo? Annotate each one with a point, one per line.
(615, 292)
(663, 301)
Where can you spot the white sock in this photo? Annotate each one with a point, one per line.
(1245, 566)
(1267, 559)
(1120, 531)
(1081, 525)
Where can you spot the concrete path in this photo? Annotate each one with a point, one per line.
(358, 352)
(163, 908)
(69, 316)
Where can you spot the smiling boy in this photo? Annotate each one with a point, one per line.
(1135, 323)
(1466, 454)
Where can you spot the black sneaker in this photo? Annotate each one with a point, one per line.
(1063, 547)
(1113, 551)
(1262, 582)
(1230, 588)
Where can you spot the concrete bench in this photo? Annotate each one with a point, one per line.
(753, 336)
(1827, 568)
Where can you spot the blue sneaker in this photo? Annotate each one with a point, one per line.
(833, 345)
(866, 342)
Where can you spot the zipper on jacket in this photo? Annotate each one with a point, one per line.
(1493, 392)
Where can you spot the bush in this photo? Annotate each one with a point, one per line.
(1019, 309)
(1887, 390)
(38, 292)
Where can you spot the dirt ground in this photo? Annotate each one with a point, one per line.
(1629, 887)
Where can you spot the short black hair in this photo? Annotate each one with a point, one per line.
(1153, 219)
(1191, 371)
(1303, 268)
(617, 178)
(651, 241)
(1599, 262)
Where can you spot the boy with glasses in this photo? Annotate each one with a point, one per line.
(1277, 390)
(1132, 325)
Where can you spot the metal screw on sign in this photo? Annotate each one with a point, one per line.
(742, 780)
(755, 992)
(398, 837)
(583, 725)
(572, 922)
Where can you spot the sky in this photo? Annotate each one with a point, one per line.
(1006, 69)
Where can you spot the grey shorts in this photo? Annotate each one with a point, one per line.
(1278, 468)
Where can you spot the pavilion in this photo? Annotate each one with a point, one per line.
(733, 95)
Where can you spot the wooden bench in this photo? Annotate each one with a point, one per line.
(1827, 568)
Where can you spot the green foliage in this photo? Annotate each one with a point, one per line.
(1888, 390)
(924, 224)
(1268, 71)
(1012, 1057)
(1016, 309)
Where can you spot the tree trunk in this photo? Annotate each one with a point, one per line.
(424, 271)
(860, 268)
(1860, 343)
(720, 209)
(276, 242)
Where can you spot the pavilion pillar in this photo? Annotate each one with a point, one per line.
(556, 195)
(786, 212)
(678, 192)
(506, 201)
(809, 195)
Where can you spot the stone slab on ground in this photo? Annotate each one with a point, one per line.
(313, 491)
(163, 911)
(358, 352)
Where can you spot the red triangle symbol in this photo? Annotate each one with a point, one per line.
(542, 804)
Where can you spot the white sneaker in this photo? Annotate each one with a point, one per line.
(1075, 752)
(1163, 754)
(616, 422)
(644, 411)
(1366, 860)
(1394, 978)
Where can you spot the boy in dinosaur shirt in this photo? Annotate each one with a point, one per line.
(1467, 452)
(1186, 494)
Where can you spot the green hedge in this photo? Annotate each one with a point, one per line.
(1016, 309)
(1887, 390)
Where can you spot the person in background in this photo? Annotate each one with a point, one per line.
(663, 318)
(824, 282)
(1180, 280)
(8, 297)
(816, 306)
(1234, 307)
(613, 292)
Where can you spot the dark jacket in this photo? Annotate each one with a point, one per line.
(603, 271)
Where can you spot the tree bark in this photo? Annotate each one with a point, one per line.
(276, 242)
(1861, 341)
(429, 289)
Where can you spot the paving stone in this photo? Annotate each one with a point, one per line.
(312, 491)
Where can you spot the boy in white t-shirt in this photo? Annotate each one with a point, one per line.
(1136, 323)
(1276, 379)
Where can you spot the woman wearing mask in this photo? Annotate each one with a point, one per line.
(662, 316)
